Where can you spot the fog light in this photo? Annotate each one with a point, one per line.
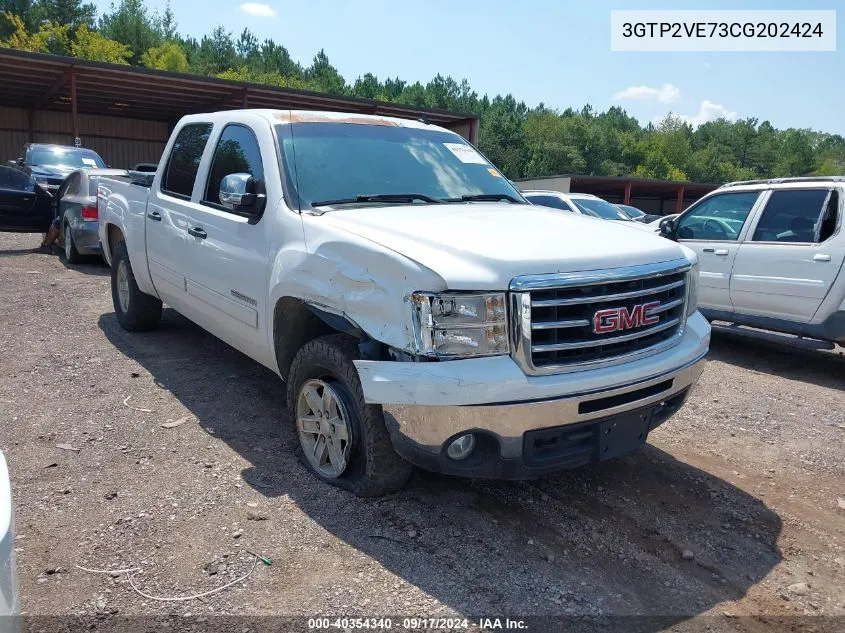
(461, 447)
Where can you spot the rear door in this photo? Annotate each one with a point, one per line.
(169, 211)
(24, 207)
(791, 257)
(713, 228)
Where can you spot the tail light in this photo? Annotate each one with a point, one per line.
(89, 213)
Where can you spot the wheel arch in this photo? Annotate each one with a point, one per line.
(113, 236)
(297, 322)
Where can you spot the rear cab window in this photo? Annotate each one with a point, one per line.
(802, 216)
(184, 160)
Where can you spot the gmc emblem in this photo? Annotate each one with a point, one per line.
(615, 319)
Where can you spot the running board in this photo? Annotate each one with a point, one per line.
(773, 337)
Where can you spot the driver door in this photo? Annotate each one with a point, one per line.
(714, 229)
(24, 207)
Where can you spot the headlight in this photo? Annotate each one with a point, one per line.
(454, 325)
(41, 180)
(692, 290)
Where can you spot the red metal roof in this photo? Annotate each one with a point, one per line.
(38, 81)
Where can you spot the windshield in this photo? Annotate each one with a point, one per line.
(65, 157)
(631, 212)
(344, 161)
(601, 208)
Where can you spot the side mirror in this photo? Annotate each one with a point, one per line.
(667, 227)
(239, 192)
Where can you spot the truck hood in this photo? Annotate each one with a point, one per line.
(59, 171)
(481, 246)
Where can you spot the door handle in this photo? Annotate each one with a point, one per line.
(708, 250)
(154, 215)
(821, 257)
(197, 231)
(722, 252)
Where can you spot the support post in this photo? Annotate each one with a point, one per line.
(627, 198)
(473, 131)
(679, 201)
(73, 106)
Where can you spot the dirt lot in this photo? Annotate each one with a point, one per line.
(735, 508)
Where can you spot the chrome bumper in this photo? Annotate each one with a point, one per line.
(427, 428)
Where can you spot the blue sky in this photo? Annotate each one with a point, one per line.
(547, 51)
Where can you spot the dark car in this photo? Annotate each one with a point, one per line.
(75, 203)
(24, 206)
(49, 165)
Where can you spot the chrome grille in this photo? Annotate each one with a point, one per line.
(553, 315)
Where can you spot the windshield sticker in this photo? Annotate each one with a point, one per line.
(493, 172)
(465, 153)
(90, 162)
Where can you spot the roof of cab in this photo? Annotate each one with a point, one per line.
(313, 116)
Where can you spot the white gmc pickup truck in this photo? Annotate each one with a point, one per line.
(418, 308)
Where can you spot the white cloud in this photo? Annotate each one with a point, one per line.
(258, 9)
(667, 93)
(708, 111)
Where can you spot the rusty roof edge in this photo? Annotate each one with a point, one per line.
(62, 62)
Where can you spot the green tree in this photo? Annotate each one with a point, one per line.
(275, 58)
(325, 76)
(23, 9)
(167, 23)
(166, 57)
(368, 87)
(796, 156)
(215, 53)
(92, 45)
(73, 13)
(50, 37)
(131, 23)
(502, 135)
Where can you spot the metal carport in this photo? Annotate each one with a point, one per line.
(125, 113)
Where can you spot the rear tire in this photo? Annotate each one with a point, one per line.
(371, 467)
(72, 256)
(135, 310)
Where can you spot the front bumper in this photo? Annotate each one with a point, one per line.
(517, 419)
(523, 440)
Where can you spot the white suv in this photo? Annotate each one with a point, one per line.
(771, 254)
(583, 204)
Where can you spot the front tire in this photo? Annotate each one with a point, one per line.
(135, 310)
(342, 439)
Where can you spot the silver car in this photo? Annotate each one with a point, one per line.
(75, 204)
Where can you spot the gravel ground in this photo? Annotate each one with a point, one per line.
(736, 507)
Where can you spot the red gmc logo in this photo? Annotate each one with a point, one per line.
(615, 319)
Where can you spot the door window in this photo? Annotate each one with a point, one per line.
(70, 187)
(798, 215)
(237, 152)
(719, 218)
(16, 180)
(184, 160)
